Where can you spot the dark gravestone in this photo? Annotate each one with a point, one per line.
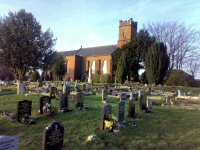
(68, 90)
(143, 102)
(53, 92)
(84, 87)
(24, 110)
(121, 112)
(43, 101)
(64, 103)
(79, 99)
(131, 111)
(105, 115)
(53, 137)
(123, 97)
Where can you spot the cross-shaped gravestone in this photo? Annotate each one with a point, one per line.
(53, 137)
(43, 101)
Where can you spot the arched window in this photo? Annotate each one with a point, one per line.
(93, 66)
(105, 66)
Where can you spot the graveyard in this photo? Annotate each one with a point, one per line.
(167, 126)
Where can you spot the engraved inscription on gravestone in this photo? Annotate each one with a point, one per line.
(24, 110)
(9, 142)
(53, 137)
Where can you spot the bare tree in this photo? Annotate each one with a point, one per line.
(181, 41)
(192, 64)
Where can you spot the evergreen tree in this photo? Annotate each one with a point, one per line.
(122, 69)
(59, 67)
(156, 63)
(134, 52)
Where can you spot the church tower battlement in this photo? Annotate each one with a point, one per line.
(127, 31)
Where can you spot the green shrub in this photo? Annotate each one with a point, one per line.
(105, 78)
(96, 78)
(178, 77)
(35, 76)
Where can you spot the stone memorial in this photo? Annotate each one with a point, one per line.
(105, 115)
(79, 100)
(24, 109)
(123, 97)
(143, 102)
(44, 100)
(53, 137)
(84, 87)
(104, 94)
(53, 92)
(9, 142)
(121, 112)
(179, 93)
(167, 100)
(64, 103)
(131, 111)
(149, 105)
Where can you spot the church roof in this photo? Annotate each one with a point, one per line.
(67, 53)
(91, 51)
(97, 51)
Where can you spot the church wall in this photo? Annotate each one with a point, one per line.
(99, 63)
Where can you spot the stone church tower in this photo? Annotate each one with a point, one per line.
(127, 31)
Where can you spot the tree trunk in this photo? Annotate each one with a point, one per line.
(20, 87)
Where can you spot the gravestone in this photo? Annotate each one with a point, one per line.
(9, 142)
(84, 87)
(53, 92)
(44, 100)
(64, 88)
(64, 103)
(121, 112)
(167, 100)
(79, 99)
(104, 94)
(131, 111)
(68, 90)
(179, 93)
(123, 97)
(143, 102)
(24, 108)
(53, 137)
(149, 104)
(105, 115)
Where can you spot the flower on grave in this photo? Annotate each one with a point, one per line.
(91, 138)
(108, 125)
(47, 108)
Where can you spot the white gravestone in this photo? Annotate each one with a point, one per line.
(9, 142)
(179, 93)
(149, 104)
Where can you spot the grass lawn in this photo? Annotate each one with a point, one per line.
(165, 128)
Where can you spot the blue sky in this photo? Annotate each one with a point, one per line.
(94, 22)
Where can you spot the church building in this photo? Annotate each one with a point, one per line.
(99, 59)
